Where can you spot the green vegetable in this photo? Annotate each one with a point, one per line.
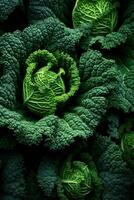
(127, 145)
(119, 36)
(123, 98)
(126, 131)
(79, 179)
(76, 180)
(7, 7)
(81, 116)
(44, 87)
(12, 177)
(41, 9)
(101, 174)
(117, 179)
(102, 13)
(66, 99)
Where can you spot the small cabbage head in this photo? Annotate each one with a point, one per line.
(102, 14)
(127, 145)
(50, 80)
(79, 179)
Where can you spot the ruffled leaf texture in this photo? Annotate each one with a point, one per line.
(127, 145)
(117, 180)
(123, 98)
(124, 30)
(98, 78)
(7, 7)
(41, 9)
(38, 10)
(18, 182)
(47, 175)
(113, 122)
(12, 185)
(116, 177)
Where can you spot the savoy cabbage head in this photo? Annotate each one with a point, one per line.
(44, 87)
(103, 14)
